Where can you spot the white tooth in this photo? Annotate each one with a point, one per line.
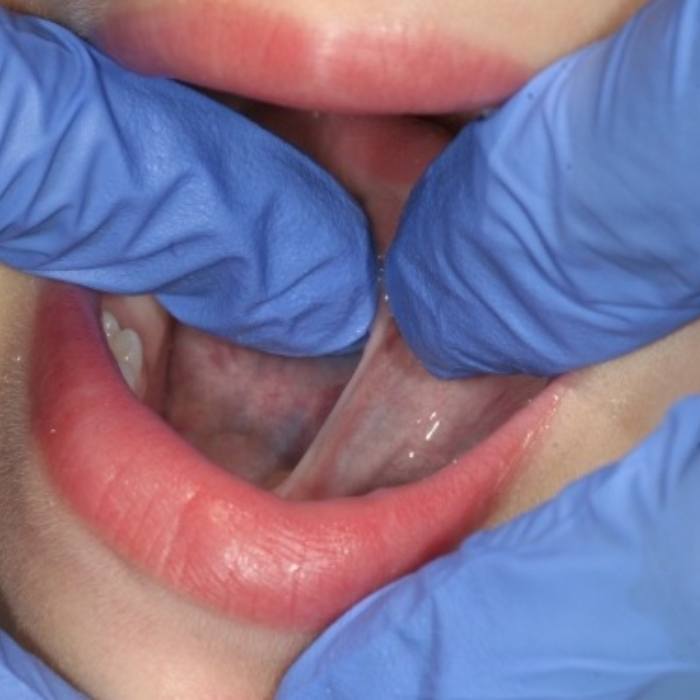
(110, 325)
(127, 348)
(129, 374)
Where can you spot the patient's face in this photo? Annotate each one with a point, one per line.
(89, 599)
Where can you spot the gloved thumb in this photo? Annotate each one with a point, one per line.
(564, 229)
(132, 185)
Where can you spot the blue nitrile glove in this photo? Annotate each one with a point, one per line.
(130, 184)
(564, 229)
(594, 595)
(24, 677)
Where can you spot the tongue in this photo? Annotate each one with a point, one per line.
(394, 423)
(289, 424)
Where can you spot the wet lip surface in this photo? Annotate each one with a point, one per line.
(266, 55)
(207, 534)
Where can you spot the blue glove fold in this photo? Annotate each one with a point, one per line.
(128, 184)
(564, 229)
(595, 594)
(24, 677)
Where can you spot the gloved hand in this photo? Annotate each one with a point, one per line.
(564, 229)
(24, 677)
(596, 594)
(129, 184)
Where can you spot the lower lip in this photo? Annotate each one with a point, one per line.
(203, 532)
(232, 47)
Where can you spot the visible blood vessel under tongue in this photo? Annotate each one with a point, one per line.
(251, 413)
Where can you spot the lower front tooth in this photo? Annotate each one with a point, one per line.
(126, 345)
(129, 374)
(127, 348)
(110, 325)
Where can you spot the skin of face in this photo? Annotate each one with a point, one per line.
(114, 632)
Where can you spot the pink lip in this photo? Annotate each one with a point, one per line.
(206, 534)
(233, 47)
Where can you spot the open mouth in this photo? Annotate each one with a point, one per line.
(275, 491)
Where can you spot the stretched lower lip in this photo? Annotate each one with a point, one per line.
(204, 533)
(271, 56)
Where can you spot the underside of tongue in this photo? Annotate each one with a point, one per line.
(395, 423)
(253, 414)
(316, 428)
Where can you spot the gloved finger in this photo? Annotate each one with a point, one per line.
(129, 184)
(563, 230)
(596, 594)
(25, 677)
